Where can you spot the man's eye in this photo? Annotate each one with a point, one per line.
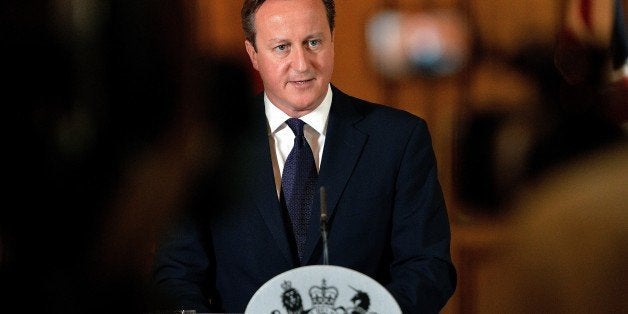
(314, 43)
(281, 47)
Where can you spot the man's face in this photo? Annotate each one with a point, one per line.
(295, 53)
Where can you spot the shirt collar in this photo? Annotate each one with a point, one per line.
(317, 119)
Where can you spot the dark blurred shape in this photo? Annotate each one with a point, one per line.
(575, 120)
(492, 148)
(619, 40)
(477, 156)
(592, 57)
(106, 129)
(592, 41)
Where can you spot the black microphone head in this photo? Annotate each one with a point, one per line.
(323, 204)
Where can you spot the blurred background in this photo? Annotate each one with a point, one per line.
(116, 108)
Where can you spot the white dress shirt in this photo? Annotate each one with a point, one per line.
(281, 137)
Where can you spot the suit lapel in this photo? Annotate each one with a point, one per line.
(266, 199)
(343, 146)
(262, 181)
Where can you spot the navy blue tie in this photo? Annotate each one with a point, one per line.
(298, 183)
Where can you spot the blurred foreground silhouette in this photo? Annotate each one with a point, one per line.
(568, 252)
(110, 118)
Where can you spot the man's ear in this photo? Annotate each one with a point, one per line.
(252, 53)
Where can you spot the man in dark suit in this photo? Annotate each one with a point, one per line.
(387, 216)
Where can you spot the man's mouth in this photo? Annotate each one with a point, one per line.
(302, 82)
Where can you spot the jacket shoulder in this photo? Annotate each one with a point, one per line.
(372, 112)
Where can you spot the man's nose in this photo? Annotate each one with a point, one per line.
(300, 59)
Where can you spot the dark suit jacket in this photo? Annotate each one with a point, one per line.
(387, 217)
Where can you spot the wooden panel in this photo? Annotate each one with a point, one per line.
(352, 71)
(507, 25)
(219, 29)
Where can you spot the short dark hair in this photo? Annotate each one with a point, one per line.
(250, 7)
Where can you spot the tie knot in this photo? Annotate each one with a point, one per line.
(296, 125)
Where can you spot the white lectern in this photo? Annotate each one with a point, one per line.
(322, 289)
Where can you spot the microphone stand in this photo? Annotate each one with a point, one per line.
(324, 225)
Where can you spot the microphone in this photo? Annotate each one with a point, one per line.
(324, 224)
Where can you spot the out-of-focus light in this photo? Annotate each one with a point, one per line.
(426, 43)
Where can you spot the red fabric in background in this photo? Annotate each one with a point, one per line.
(585, 12)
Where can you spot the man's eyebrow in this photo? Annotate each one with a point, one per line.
(315, 35)
(281, 40)
(277, 40)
